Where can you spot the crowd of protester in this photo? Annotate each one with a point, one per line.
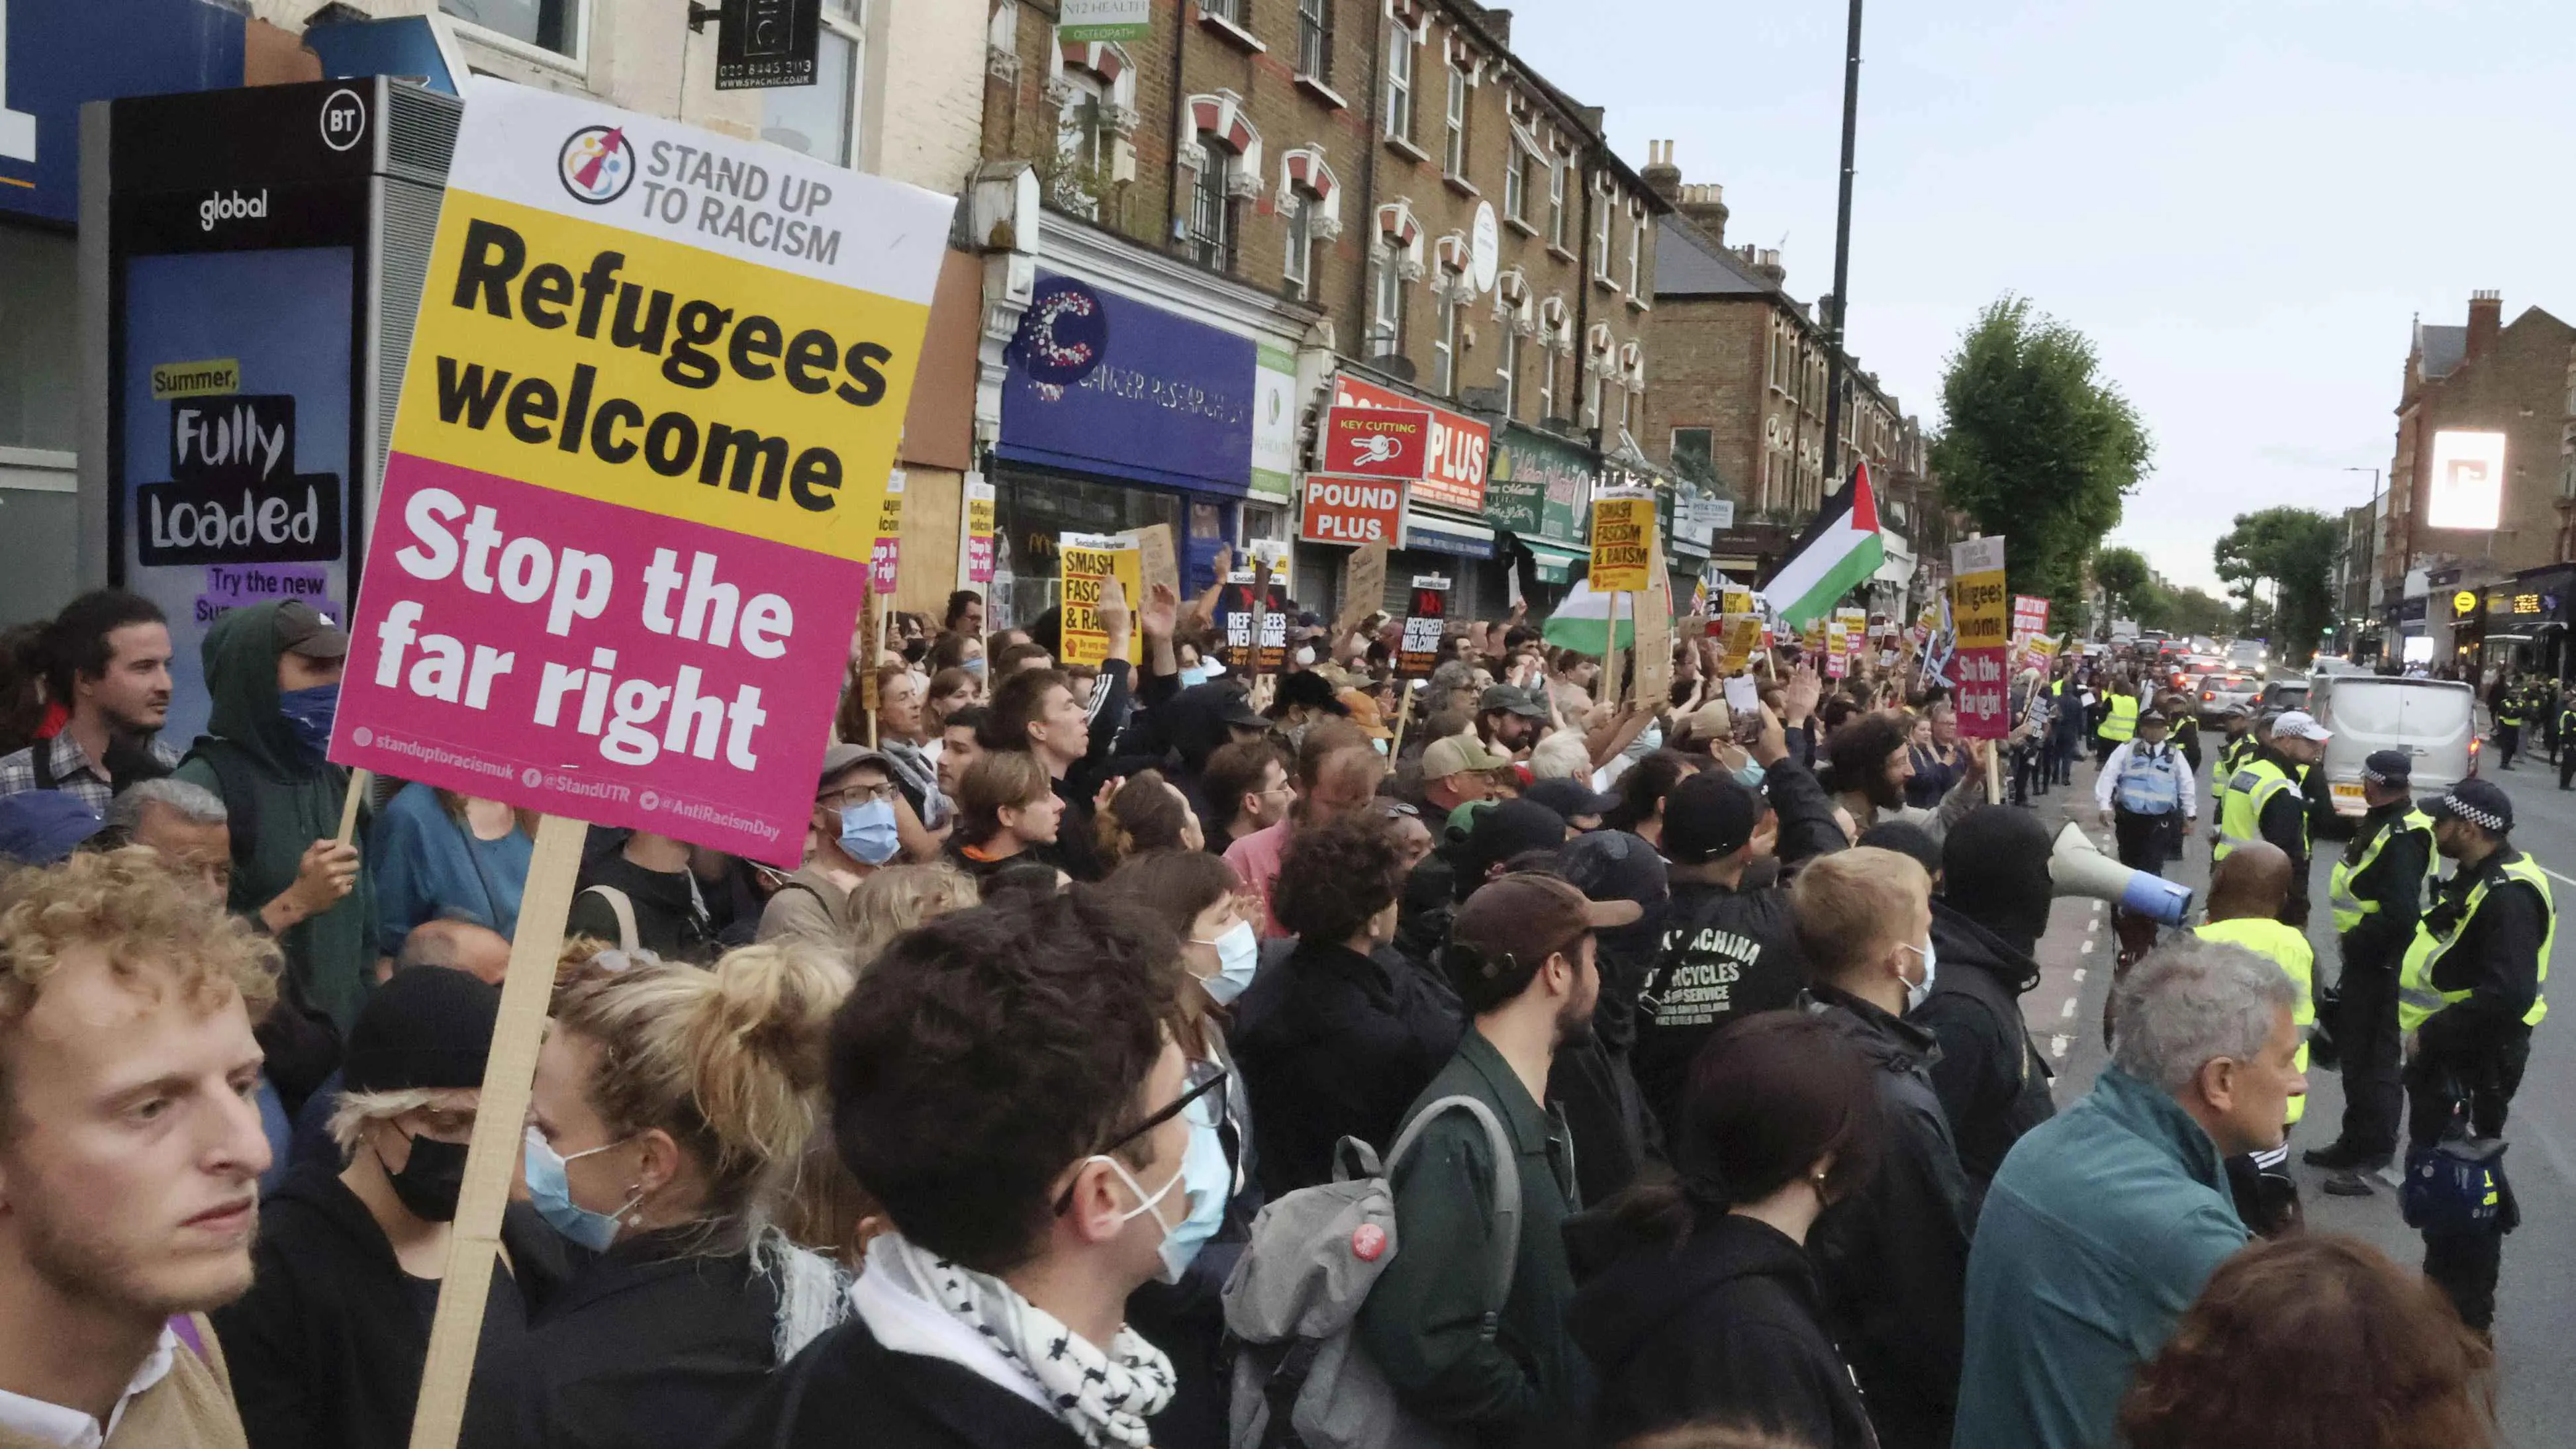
(1699, 1025)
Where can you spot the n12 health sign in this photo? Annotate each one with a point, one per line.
(1351, 510)
(636, 471)
(1979, 613)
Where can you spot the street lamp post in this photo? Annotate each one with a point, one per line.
(1841, 310)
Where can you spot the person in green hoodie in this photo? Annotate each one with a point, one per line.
(273, 672)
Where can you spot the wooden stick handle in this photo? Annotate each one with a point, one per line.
(359, 780)
(492, 1162)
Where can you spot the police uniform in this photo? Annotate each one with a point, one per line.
(2264, 801)
(2148, 787)
(2233, 752)
(2566, 748)
(2119, 724)
(2377, 890)
(2508, 725)
(2469, 993)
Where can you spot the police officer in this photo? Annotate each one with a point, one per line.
(2468, 996)
(2145, 791)
(2265, 801)
(2119, 722)
(2235, 747)
(2378, 889)
(2509, 709)
(2566, 756)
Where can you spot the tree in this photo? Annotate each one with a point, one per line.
(2037, 446)
(2191, 611)
(2295, 550)
(2126, 583)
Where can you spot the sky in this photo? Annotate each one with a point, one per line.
(2244, 203)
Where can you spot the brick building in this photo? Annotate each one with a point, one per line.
(2486, 377)
(1741, 383)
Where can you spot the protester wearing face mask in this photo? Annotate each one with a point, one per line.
(327, 1346)
(1040, 1158)
(669, 1107)
(854, 832)
(1892, 1258)
(273, 672)
(1699, 1302)
(1194, 894)
(1986, 924)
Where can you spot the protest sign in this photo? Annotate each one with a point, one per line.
(977, 566)
(1837, 648)
(1418, 653)
(1742, 637)
(2030, 616)
(653, 396)
(1980, 622)
(1363, 586)
(1376, 442)
(1083, 560)
(1351, 510)
(887, 554)
(1655, 640)
(1157, 564)
(626, 521)
(1623, 539)
(1737, 601)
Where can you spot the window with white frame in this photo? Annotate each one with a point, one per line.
(1601, 236)
(1636, 253)
(554, 25)
(1302, 207)
(1229, 11)
(1454, 161)
(1516, 181)
(1556, 169)
(822, 120)
(1591, 397)
(1400, 43)
(1444, 341)
(1507, 373)
(1315, 39)
(1386, 310)
(1211, 238)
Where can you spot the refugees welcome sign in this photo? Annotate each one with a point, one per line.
(637, 471)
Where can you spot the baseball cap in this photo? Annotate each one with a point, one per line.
(428, 1028)
(1526, 918)
(2388, 767)
(1308, 690)
(2298, 724)
(1443, 758)
(1570, 798)
(302, 630)
(1504, 830)
(1237, 710)
(2480, 802)
(1708, 815)
(841, 759)
(1509, 697)
(1362, 707)
(43, 827)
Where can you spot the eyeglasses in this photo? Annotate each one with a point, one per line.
(859, 795)
(1204, 1080)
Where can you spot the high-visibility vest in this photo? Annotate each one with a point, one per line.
(2240, 811)
(2150, 784)
(2273, 941)
(2418, 998)
(2509, 712)
(2349, 909)
(2232, 757)
(2122, 721)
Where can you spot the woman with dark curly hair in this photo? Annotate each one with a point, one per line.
(1334, 1041)
(2316, 1341)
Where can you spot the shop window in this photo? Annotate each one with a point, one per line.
(39, 368)
(822, 120)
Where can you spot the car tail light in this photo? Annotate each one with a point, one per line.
(2207, 695)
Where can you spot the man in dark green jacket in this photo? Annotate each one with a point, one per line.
(273, 672)
(1521, 954)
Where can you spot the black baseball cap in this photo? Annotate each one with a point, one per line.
(1708, 815)
(1570, 798)
(430, 1027)
(303, 630)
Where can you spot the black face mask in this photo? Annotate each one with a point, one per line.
(430, 1180)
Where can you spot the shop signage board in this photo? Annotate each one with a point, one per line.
(1352, 511)
(1453, 473)
(614, 581)
(1376, 442)
(1980, 620)
(1538, 486)
(1099, 382)
(1083, 21)
(767, 44)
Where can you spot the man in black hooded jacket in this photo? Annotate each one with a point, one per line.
(1986, 923)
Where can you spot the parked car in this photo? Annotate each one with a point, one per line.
(2218, 693)
(2433, 720)
(2250, 655)
(2282, 695)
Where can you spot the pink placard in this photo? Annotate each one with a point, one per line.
(1981, 693)
(979, 558)
(595, 661)
(881, 564)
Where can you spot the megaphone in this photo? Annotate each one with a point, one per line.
(2077, 867)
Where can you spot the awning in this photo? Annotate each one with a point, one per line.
(1425, 530)
(1555, 565)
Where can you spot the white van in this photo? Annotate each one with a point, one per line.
(2433, 720)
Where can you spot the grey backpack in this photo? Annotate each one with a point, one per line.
(1295, 1296)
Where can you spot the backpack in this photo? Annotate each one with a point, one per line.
(622, 907)
(1294, 1298)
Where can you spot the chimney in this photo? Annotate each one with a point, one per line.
(1661, 176)
(1704, 204)
(1498, 24)
(2486, 319)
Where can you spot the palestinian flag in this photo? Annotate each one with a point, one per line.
(1839, 551)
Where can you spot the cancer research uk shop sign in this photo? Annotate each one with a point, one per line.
(636, 472)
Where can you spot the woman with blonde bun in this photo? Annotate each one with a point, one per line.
(671, 1108)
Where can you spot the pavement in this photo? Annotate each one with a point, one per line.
(2535, 1330)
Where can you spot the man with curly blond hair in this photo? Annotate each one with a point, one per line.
(130, 1151)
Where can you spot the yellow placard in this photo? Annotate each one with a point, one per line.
(1742, 636)
(658, 376)
(890, 507)
(1623, 541)
(212, 377)
(1082, 561)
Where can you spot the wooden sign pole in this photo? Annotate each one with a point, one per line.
(1403, 712)
(359, 780)
(492, 1162)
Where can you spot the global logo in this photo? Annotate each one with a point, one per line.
(596, 164)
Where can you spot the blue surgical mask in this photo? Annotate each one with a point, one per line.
(1194, 675)
(975, 666)
(1207, 1179)
(1238, 955)
(868, 832)
(551, 1193)
(1751, 776)
(309, 712)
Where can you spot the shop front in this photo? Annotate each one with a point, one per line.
(2528, 615)
(1117, 413)
(1446, 529)
(1539, 491)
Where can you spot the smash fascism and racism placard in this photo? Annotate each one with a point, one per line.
(1084, 561)
(1981, 615)
(636, 473)
(1623, 539)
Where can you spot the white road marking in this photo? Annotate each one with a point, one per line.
(2069, 1012)
(2553, 875)
(2079, 975)
(2057, 1045)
